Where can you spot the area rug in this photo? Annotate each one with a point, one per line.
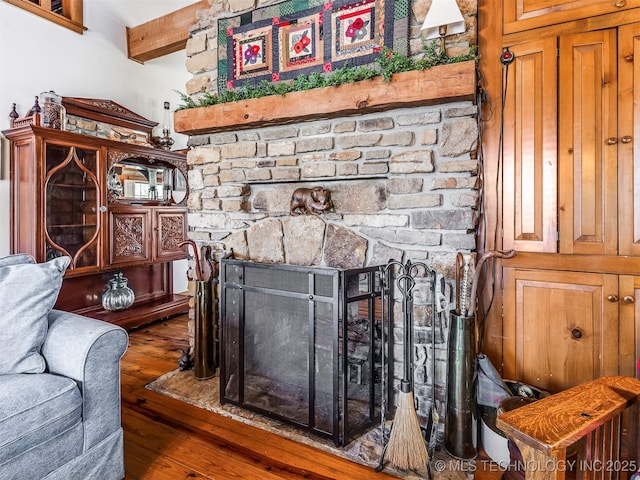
(366, 450)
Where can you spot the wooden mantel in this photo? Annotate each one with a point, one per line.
(440, 84)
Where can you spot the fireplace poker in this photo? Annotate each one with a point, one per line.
(386, 317)
(476, 276)
(434, 419)
(462, 283)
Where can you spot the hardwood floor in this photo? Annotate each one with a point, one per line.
(166, 439)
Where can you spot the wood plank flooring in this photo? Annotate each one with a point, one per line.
(165, 439)
(168, 439)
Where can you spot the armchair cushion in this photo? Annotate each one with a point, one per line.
(16, 259)
(28, 292)
(36, 408)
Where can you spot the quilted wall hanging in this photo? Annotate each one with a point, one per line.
(299, 37)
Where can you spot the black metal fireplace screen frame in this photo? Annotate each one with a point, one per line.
(338, 291)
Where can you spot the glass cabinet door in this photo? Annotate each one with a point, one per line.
(72, 204)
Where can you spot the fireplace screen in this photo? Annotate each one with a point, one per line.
(302, 345)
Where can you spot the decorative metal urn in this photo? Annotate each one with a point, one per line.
(118, 295)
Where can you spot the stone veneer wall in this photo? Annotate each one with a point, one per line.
(404, 184)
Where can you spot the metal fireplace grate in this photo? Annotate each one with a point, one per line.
(303, 345)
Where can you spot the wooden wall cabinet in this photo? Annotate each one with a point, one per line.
(522, 15)
(108, 205)
(571, 197)
(572, 168)
(576, 310)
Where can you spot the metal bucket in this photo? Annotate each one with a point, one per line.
(204, 336)
(460, 420)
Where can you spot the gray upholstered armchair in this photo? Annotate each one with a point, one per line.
(64, 423)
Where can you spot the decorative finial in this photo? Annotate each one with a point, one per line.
(13, 114)
(35, 109)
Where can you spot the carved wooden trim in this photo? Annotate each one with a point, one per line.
(107, 111)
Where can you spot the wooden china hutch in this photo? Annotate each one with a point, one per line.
(113, 207)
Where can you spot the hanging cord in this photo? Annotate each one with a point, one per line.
(482, 98)
(506, 58)
(435, 417)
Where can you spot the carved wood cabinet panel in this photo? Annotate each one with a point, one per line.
(146, 234)
(129, 235)
(170, 227)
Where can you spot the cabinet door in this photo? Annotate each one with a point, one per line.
(520, 15)
(560, 328)
(170, 229)
(72, 201)
(629, 324)
(629, 138)
(530, 149)
(129, 235)
(587, 153)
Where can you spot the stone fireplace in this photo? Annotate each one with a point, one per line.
(404, 183)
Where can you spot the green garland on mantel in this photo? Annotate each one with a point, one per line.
(388, 63)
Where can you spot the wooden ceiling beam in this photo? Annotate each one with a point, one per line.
(163, 35)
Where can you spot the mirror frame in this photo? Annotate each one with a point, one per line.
(143, 159)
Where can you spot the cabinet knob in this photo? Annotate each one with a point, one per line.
(102, 208)
(628, 299)
(612, 298)
(612, 141)
(576, 333)
(626, 139)
(619, 3)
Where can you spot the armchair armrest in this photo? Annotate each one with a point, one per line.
(89, 351)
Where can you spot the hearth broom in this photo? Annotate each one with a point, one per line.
(406, 448)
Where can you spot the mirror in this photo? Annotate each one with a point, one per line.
(136, 182)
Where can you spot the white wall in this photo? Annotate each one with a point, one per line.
(37, 55)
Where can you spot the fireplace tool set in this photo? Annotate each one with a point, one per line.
(405, 443)
(405, 446)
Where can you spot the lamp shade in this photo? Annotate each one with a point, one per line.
(443, 13)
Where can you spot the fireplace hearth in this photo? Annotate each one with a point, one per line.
(303, 345)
